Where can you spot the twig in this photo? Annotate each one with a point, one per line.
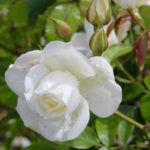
(125, 72)
(132, 121)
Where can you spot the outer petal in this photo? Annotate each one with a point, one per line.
(55, 129)
(123, 30)
(67, 129)
(29, 117)
(101, 91)
(102, 68)
(78, 120)
(15, 74)
(28, 59)
(62, 56)
(80, 42)
(112, 38)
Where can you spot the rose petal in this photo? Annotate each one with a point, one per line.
(29, 59)
(79, 120)
(112, 37)
(55, 129)
(68, 129)
(131, 3)
(61, 85)
(80, 42)
(102, 68)
(15, 79)
(15, 74)
(62, 56)
(102, 92)
(29, 117)
(126, 3)
(33, 78)
(122, 26)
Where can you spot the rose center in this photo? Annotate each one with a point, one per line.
(52, 103)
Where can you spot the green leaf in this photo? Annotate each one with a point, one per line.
(4, 3)
(132, 91)
(86, 140)
(7, 97)
(116, 51)
(147, 61)
(145, 107)
(67, 12)
(125, 128)
(37, 7)
(45, 145)
(19, 13)
(147, 81)
(144, 10)
(4, 53)
(107, 129)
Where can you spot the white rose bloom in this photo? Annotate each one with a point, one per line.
(81, 40)
(57, 87)
(131, 3)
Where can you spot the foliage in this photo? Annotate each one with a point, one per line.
(26, 25)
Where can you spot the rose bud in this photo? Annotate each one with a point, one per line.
(99, 41)
(99, 12)
(122, 25)
(62, 27)
(142, 46)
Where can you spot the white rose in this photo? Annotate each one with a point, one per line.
(81, 40)
(131, 3)
(57, 87)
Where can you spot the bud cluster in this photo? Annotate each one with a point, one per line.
(99, 14)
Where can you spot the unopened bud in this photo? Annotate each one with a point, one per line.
(142, 46)
(99, 41)
(99, 12)
(62, 27)
(122, 25)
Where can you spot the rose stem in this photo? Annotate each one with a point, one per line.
(130, 120)
(125, 72)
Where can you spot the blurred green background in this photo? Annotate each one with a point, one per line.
(26, 25)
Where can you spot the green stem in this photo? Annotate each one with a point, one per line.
(138, 145)
(130, 120)
(123, 80)
(125, 72)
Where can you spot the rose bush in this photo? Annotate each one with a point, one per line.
(57, 87)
